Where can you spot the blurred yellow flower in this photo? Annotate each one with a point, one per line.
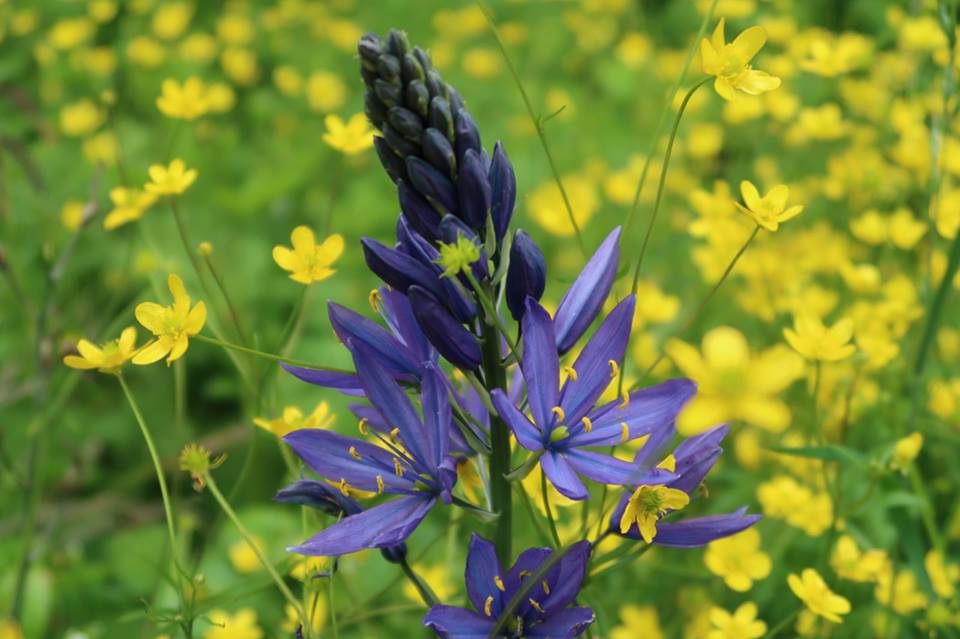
(817, 342)
(813, 591)
(242, 625)
(69, 33)
(307, 261)
(905, 451)
(734, 384)
(199, 47)
(288, 80)
(170, 180)
(742, 624)
(293, 419)
(129, 204)
(171, 325)
(943, 398)
(849, 562)
(634, 49)
(102, 10)
(108, 358)
(325, 91)
(81, 118)
(241, 66)
(316, 608)
(101, 148)
(243, 558)
(905, 231)
(943, 575)
(653, 305)
(187, 101)
(902, 593)
(171, 19)
(730, 63)
(350, 138)
(234, 28)
(647, 505)
(769, 210)
(738, 559)
(801, 507)
(637, 621)
(146, 52)
(71, 215)
(481, 63)
(306, 568)
(10, 629)
(220, 97)
(548, 209)
(437, 577)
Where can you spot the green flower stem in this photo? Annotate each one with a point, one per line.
(662, 121)
(706, 300)
(331, 604)
(277, 358)
(231, 307)
(538, 123)
(635, 552)
(927, 511)
(663, 180)
(501, 497)
(247, 537)
(491, 312)
(157, 467)
(422, 586)
(773, 632)
(546, 507)
(537, 525)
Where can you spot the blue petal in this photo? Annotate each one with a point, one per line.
(565, 624)
(418, 212)
(399, 270)
(699, 531)
(398, 314)
(474, 190)
(346, 383)
(541, 367)
(503, 187)
(455, 343)
(566, 580)
(594, 372)
(320, 495)
(382, 526)
(328, 454)
(393, 354)
(562, 476)
(526, 433)
(450, 622)
(436, 415)
(649, 410)
(601, 468)
(482, 566)
(585, 297)
(526, 275)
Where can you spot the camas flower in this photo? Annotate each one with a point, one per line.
(307, 261)
(109, 357)
(730, 63)
(351, 137)
(690, 463)
(187, 101)
(813, 591)
(771, 209)
(565, 422)
(172, 325)
(817, 342)
(544, 613)
(170, 180)
(411, 462)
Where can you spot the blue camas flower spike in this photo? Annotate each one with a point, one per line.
(546, 611)
(691, 461)
(412, 461)
(527, 274)
(565, 421)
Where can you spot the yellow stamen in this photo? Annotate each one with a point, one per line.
(571, 373)
(394, 435)
(379, 484)
(624, 432)
(536, 606)
(559, 413)
(486, 606)
(354, 453)
(498, 582)
(624, 400)
(614, 368)
(344, 487)
(397, 467)
(374, 299)
(362, 426)
(546, 588)
(525, 573)
(587, 424)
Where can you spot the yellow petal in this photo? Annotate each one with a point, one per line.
(78, 362)
(757, 82)
(196, 319)
(701, 413)
(152, 352)
(709, 58)
(777, 197)
(331, 249)
(284, 258)
(751, 197)
(151, 316)
(303, 240)
(686, 358)
(179, 292)
(89, 351)
(724, 89)
(128, 339)
(179, 348)
(725, 347)
(718, 39)
(792, 212)
(747, 44)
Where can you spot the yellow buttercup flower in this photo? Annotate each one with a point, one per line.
(10, 629)
(81, 118)
(242, 625)
(293, 419)
(187, 101)
(813, 340)
(901, 593)
(309, 262)
(742, 624)
(129, 204)
(730, 63)
(308, 568)
(72, 214)
(172, 325)
(316, 607)
(109, 357)
(849, 562)
(350, 138)
(906, 450)
(769, 210)
(738, 559)
(637, 621)
(647, 505)
(813, 591)
(243, 558)
(170, 180)
(943, 575)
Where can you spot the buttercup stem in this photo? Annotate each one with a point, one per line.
(247, 537)
(277, 358)
(231, 308)
(782, 625)
(537, 123)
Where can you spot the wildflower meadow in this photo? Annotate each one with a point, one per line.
(619, 319)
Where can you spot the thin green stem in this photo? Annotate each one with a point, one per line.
(331, 603)
(661, 122)
(926, 511)
(231, 307)
(781, 625)
(546, 507)
(247, 537)
(422, 587)
(253, 351)
(538, 123)
(663, 180)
